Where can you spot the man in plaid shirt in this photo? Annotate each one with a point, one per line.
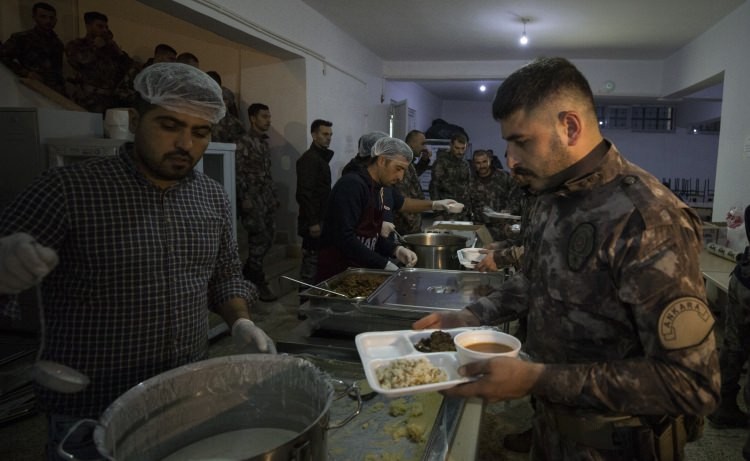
(145, 249)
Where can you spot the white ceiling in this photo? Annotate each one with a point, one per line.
(488, 30)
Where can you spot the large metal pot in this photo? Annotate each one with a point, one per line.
(436, 251)
(241, 407)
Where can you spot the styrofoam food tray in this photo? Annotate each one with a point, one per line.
(469, 257)
(377, 349)
(500, 215)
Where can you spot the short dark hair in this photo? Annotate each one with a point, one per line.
(459, 138)
(42, 6)
(91, 16)
(317, 123)
(480, 153)
(533, 84)
(215, 75)
(254, 108)
(141, 105)
(163, 48)
(187, 56)
(411, 135)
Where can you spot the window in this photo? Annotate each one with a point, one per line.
(652, 118)
(615, 117)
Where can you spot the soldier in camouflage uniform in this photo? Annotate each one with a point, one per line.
(619, 334)
(37, 53)
(230, 128)
(256, 196)
(99, 63)
(411, 223)
(451, 177)
(490, 188)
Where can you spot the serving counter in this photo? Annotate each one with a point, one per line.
(451, 426)
(716, 268)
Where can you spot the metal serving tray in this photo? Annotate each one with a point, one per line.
(417, 292)
(407, 295)
(338, 303)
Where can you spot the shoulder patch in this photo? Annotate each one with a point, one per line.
(685, 322)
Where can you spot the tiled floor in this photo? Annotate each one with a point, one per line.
(24, 439)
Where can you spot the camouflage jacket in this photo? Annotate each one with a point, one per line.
(229, 129)
(492, 191)
(451, 178)
(614, 295)
(255, 189)
(101, 67)
(35, 51)
(409, 223)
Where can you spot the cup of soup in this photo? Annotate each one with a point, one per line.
(478, 345)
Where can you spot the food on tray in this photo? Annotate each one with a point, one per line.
(438, 341)
(358, 285)
(409, 372)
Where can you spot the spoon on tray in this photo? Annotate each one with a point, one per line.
(316, 287)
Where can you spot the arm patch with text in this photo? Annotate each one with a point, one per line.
(685, 322)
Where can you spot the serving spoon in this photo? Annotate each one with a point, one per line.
(316, 287)
(53, 375)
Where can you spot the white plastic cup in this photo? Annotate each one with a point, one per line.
(467, 338)
(455, 207)
(117, 124)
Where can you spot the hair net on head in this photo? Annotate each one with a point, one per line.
(366, 141)
(392, 148)
(181, 88)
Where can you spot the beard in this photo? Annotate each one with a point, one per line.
(171, 166)
(554, 162)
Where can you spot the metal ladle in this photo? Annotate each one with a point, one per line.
(53, 375)
(316, 287)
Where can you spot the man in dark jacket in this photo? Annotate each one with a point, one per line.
(313, 188)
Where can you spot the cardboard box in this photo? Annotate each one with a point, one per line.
(463, 228)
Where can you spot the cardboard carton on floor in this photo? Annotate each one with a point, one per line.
(463, 228)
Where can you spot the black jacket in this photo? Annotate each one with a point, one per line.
(313, 187)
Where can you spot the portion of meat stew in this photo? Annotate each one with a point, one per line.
(359, 285)
(439, 341)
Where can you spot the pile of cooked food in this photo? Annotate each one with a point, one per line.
(409, 372)
(358, 285)
(438, 341)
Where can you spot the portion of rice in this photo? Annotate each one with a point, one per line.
(409, 372)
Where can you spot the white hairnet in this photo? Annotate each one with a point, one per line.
(392, 148)
(366, 141)
(181, 88)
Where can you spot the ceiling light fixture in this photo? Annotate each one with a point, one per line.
(524, 40)
(482, 88)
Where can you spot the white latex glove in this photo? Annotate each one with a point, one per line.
(407, 257)
(23, 262)
(247, 336)
(449, 205)
(391, 267)
(387, 229)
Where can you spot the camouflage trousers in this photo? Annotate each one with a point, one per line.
(260, 230)
(735, 348)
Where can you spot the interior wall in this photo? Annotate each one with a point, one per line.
(426, 105)
(719, 50)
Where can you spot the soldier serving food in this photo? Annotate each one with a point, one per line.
(620, 338)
